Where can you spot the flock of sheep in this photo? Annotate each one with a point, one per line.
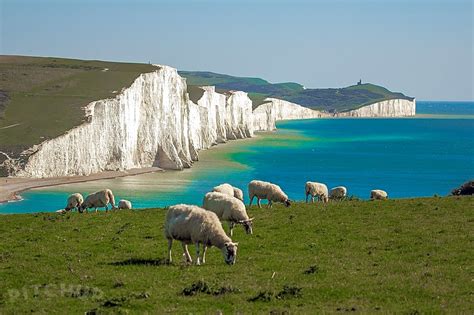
(202, 226)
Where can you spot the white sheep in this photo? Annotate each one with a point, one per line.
(314, 189)
(228, 209)
(229, 190)
(266, 190)
(378, 194)
(339, 192)
(124, 204)
(74, 201)
(99, 199)
(194, 225)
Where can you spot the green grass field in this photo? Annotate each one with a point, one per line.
(399, 256)
(46, 95)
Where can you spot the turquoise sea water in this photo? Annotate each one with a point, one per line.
(445, 108)
(406, 157)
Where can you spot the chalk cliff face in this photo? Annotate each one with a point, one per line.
(147, 124)
(266, 114)
(389, 108)
(154, 123)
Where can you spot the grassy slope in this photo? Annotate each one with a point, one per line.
(46, 95)
(328, 99)
(396, 255)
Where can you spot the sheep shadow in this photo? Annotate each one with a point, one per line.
(141, 262)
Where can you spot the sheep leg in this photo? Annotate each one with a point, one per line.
(198, 261)
(96, 210)
(231, 227)
(307, 197)
(270, 204)
(251, 200)
(106, 208)
(258, 202)
(186, 253)
(312, 199)
(204, 249)
(170, 243)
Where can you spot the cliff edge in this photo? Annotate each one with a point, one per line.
(153, 123)
(388, 108)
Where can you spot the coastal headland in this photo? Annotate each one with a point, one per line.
(156, 120)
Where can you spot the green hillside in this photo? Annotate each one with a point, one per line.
(41, 98)
(338, 99)
(411, 256)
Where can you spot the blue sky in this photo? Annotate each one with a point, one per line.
(421, 48)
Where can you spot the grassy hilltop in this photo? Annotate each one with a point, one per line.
(403, 256)
(337, 99)
(41, 98)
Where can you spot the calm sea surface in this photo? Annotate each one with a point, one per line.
(406, 157)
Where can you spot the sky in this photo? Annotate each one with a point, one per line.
(423, 48)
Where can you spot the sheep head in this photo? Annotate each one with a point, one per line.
(229, 251)
(247, 225)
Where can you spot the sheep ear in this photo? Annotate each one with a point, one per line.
(251, 219)
(236, 244)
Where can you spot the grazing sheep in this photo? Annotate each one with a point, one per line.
(229, 209)
(316, 190)
(266, 190)
(124, 204)
(195, 225)
(378, 194)
(99, 199)
(339, 192)
(465, 189)
(74, 201)
(229, 190)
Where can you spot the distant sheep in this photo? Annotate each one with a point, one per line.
(339, 192)
(228, 209)
(99, 199)
(74, 201)
(195, 225)
(266, 190)
(314, 189)
(378, 194)
(229, 190)
(124, 204)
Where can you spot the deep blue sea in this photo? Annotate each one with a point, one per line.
(406, 157)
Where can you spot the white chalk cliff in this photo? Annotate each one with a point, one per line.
(154, 123)
(274, 110)
(389, 108)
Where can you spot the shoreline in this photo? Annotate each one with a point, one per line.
(11, 187)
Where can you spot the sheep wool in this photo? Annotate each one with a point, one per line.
(338, 192)
(194, 225)
(378, 194)
(74, 201)
(229, 209)
(229, 190)
(315, 189)
(99, 199)
(124, 204)
(268, 191)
